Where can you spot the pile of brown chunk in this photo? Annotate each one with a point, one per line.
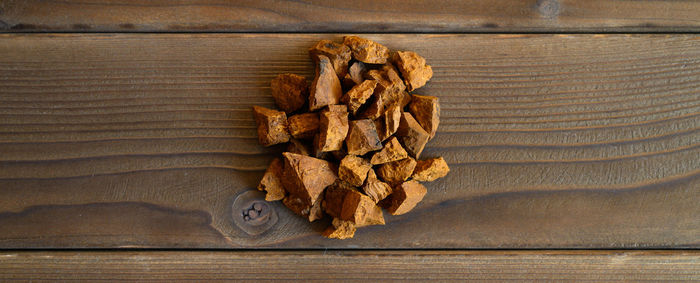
(354, 136)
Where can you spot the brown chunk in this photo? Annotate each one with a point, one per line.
(301, 208)
(426, 110)
(307, 177)
(389, 90)
(404, 198)
(388, 123)
(366, 50)
(375, 188)
(333, 128)
(361, 210)
(392, 151)
(272, 126)
(334, 197)
(430, 169)
(340, 229)
(272, 181)
(413, 68)
(289, 91)
(411, 135)
(303, 126)
(325, 89)
(362, 137)
(358, 95)
(353, 169)
(339, 54)
(298, 147)
(397, 171)
(357, 72)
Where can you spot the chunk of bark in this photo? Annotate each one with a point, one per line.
(426, 110)
(361, 210)
(392, 151)
(413, 68)
(430, 169)
(388, 123)
(358, 95)
(333, 128)
(301, 208)
(303, 126)
(374, 188)
(357, 72)
(339, 55)
(316, 149)
(272, 126)
(396, 172)
(306, 177)
(325, 89)
(271, 182)
(412, 135)
(340, 229)
(404, 198)
(389, 90)
(289, 91)
(298, 147)
(366, 50)
(334, 197)
(362, 137)
(353, 169)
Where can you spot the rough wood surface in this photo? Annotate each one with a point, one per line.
(147, 140)
(351, 16)
(607, 266)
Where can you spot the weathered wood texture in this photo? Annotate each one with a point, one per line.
(356, 266)
(351, 16)
(145, 140)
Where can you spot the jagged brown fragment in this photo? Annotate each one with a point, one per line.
(353, 169)
(339, 55)
(298, 147)
(340, 229)
(392, 151)
(413, 68)
(404, 198)
(358, 95)
(365, 50)
(375, 188)
(412, 135)
(271, 182)
(430, 169)
(289, 91)
(333, 128)
(389, 90)
(306, 177)
(426, 110)
(334, 197)
(316, 149)
(388, 123)
(397, 171)
(272, 126)
(361, 210)
(325, 89)
(303, 126)
(301, 208)
(357, 72)
(362, 137)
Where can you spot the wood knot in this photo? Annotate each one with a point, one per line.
(252, 214)
(548, 8)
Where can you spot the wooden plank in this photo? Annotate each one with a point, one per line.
(351, 16)
(146, 140)
(358, 265)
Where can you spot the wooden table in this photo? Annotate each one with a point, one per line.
(572, 128)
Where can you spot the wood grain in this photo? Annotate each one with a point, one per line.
(344, 265)
(146, 140)
(351, 16)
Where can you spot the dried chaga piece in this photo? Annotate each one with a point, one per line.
(361, 210)
(388, 123)
(334, 197)
(272, 126)
(392, 151)
(366, 50)
(413, 68)
(397, 171)
(334, 128)
(306, 177)
(358, 95)
(272, 181)
(375, 188)
(339, 54)
(362, 137)
(340, 229)
(412, 135)
(404, 198)
(289, 91)
(303, 126)
(357, 72)
(389, 90)
(426, 110)
(298, 206)
(325, 89)
(353, 169)
(298, 147)
(430, 169)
